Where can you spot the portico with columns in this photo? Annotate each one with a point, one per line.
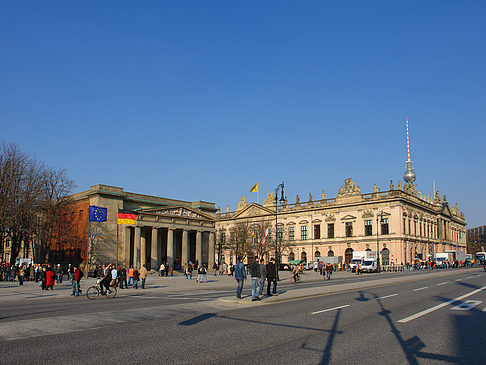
(175, 235)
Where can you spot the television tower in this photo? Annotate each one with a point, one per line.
(409, 176)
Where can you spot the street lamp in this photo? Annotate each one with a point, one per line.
(282, 201)
(379, 214)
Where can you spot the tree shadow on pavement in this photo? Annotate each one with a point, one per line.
(412, 348)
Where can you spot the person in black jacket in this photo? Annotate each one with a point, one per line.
(271, 277)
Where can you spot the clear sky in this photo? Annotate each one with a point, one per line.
(198, 100)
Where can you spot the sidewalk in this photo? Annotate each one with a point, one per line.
(11, 291)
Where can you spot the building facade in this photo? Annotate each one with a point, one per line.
(166, 230)
(403, 224)
(476, 239)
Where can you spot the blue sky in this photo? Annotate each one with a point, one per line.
(199, 100)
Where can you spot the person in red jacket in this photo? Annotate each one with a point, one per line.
(50, 279)
(77, 276)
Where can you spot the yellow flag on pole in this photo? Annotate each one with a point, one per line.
(254, 188)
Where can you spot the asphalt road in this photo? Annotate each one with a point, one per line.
(435, 320)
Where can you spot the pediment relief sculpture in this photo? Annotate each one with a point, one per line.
(330, 218)
(349, 188)
(368, 214)
(181, 212)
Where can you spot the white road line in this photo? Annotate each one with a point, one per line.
(425, 287)
(458, 280)
(331, 309)
(445, 282)
(470, 277)
(439, 306)
(387, 296)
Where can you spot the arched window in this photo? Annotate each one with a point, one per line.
(330, 253)
(348, 255)
(317, 254)
(291, 256)
(303, 256)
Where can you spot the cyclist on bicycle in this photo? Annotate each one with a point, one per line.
(296, 272)
(106, 280)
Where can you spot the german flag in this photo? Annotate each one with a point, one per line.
(127, 218)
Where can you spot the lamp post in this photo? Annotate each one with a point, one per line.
(282, 201)
(379, 214)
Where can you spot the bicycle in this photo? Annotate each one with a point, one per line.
(298, 279)
(96, 291)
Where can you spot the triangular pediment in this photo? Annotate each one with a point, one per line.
(348, 216)
(446, 210)
(253, 210)
(179, 211)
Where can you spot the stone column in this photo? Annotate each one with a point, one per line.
(199, 247)
(143, 250)
(170, 246)
(212, 242)
(185, 248)
(154, 250)
(136, 247)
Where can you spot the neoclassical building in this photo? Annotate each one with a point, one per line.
(166, 230)
(406, 224)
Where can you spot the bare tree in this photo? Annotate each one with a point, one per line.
(239, 243)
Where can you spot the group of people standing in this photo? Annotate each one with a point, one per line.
(325, 270)
(259, 272)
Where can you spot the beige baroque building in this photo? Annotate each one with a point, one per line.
(166, 230)
(409, 224)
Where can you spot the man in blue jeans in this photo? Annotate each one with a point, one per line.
(240, 276)
(255, 279)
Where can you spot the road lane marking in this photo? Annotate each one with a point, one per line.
(470, 277)
(331, 309)
(425, 287)
(439, 306)
(445, 282)
(467, 305)
(458, 279)
(386, 296)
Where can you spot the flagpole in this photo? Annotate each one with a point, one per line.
(87, 251)
(116, 244)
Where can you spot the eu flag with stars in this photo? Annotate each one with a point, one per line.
(97, 214)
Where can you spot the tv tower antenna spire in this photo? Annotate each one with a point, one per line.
(409, 175)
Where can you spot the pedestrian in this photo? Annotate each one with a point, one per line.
(263, 276)
(240, 276)
(43, 278)
(328, 271)
(130, 276)
(124, 277)
(166, 269)
(77, 276)
(161, 269)
(204, 272)
(50, 279)
(119, 276)
(114, 276)
(58, 274)
(271, 277)
(188, 272)
(255, 279)
(143, 275)
(199, 275)
(21, 275)
(136, 277)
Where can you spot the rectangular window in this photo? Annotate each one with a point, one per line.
(404, 226)
(291, 233)
(420, 229)
(415, 228)
(384, 226)
(330, 230)
(368, 227)
(280, 234)
(409, 228)
(223, 237)
(317, 231)
(303, 232)
(349, 229)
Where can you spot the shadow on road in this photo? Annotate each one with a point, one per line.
(412, 348)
